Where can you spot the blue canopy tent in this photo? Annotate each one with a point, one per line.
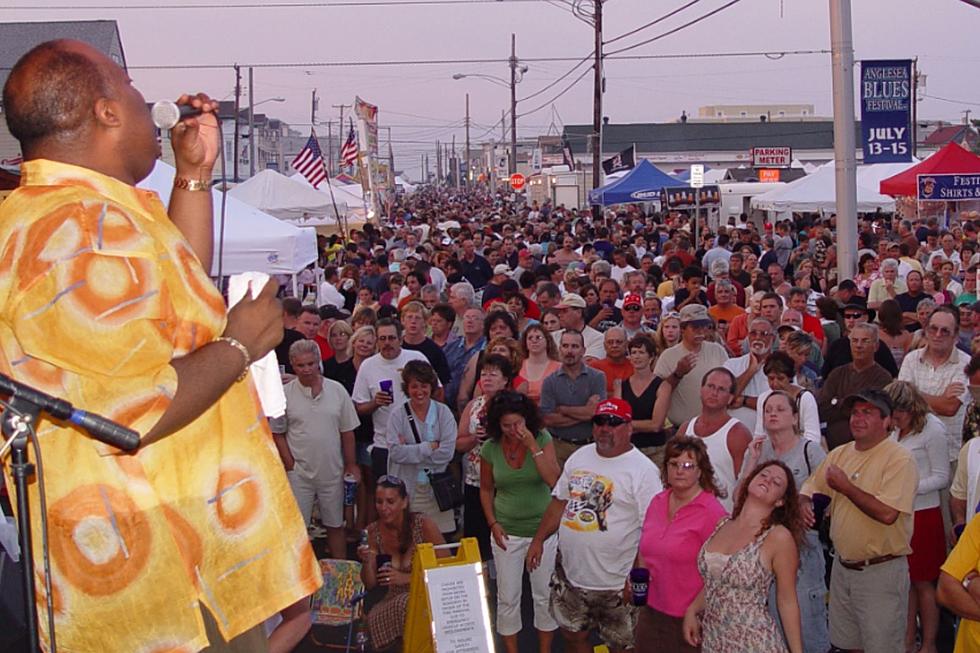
(642, 184)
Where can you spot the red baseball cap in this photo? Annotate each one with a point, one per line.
(616, 407)
(632, 299)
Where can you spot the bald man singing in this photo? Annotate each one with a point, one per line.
(192, 541)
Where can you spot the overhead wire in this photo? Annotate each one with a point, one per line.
(266, 5)
(689, 23)
(652, 23)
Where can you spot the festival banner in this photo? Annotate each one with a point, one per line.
(886, 115)
(949, 187)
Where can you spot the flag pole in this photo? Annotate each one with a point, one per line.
(336, 213)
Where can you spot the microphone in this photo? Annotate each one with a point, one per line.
(101, 428)
(167, 114)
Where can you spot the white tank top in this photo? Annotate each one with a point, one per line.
(721, 459)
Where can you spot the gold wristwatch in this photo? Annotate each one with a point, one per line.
(184, 183)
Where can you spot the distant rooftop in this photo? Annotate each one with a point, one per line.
(16, 39)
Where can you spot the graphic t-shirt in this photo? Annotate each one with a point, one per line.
(607, 499)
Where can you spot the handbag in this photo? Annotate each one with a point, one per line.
(445, 486)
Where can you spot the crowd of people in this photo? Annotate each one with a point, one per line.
(567, 369)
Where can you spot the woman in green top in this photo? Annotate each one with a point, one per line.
(517, 471)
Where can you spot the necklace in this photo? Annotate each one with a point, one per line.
(512, 452)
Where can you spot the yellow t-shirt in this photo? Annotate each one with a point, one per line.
(99, 292)
(665, 289)
(886, 471)
(964, 558)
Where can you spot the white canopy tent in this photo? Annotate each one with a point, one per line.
(285, 198)
(253, 240)
(816, 192)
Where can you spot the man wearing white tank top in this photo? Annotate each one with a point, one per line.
(725, 437)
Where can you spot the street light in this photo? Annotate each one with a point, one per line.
(251, 128)
(516, 76)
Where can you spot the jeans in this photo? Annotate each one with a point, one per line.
(811, 593)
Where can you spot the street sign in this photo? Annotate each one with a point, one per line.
(517, 181)
(697, 175)
(772, 157)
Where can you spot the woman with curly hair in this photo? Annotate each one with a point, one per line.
(759, 544)
(784, 442)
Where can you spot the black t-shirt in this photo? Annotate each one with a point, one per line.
(289, 336)
(910, 304)
(437, 359)
(606, 324)
(840, 354)
(683, 294)
(743, 278)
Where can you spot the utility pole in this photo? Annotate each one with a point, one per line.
(915, 101)
(467, 139)
(340, 127)
(597, 105)
(238, 129)
(438, 163)
(330, 148)
(251, 125)
(845, 160)
(513, 104)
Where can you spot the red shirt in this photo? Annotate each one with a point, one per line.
(326, 351)
(613, 371)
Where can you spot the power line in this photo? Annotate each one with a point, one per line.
(653, 22)
(566, 90)
(771, 54)
(946, 99)
(271, 5)
(679, 28)
(567, 73)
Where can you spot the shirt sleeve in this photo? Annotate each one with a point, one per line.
(899, 483)
(348, 414)
(960, 487)
(965, 555)
(547, 403)
(817, 483)
(362, 389)
(809, 417)
(598, 383)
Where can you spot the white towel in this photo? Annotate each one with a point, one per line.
(265, 372)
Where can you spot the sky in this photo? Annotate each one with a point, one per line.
(423, 103)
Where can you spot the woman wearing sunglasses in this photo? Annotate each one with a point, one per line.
(679, 520)
(392, 538)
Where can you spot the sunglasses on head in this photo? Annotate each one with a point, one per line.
(390, 480)
(608, 420)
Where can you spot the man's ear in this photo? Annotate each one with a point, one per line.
(107, 113)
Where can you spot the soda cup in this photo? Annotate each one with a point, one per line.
(385, 385)
(639, 585)
(350, 489)
(382, 560)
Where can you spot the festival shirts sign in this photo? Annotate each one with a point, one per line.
(949, 187)
(886, 101)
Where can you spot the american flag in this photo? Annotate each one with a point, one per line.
(348, 153)
(309, 162)
(12, 163)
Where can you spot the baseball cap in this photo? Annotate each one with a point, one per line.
(331, 312)
(695, 314)
(502, 268)
(615, 407)
(632, 299)
(572, 300)
(877, 398)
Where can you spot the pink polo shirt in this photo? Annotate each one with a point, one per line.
(670, 549)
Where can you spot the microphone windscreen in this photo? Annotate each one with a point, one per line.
(165, 114)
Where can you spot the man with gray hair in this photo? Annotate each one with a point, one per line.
(862, 373)
(719, 271)
(462, 296)
(889, 286)
(315, 439)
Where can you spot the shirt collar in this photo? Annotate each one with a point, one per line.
(44, 172)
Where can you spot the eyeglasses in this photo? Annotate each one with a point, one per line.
(631, 307)
(608, 420)
(760, 334)
(939, 331)
(386, 338)
(686, 466)
(388, 479)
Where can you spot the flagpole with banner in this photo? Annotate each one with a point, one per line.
(367, 123)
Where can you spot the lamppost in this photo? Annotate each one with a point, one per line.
(516, 76)
(251, 130)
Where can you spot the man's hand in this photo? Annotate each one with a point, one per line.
(686, 364)
(353, 470)
(195, 140)
(954, 390)
(257, 323)
(806, 511)
(838, 480)
(383, 398)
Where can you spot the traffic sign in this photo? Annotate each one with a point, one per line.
(697, 175)
(517, 181)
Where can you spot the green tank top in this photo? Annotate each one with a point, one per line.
(521, 494)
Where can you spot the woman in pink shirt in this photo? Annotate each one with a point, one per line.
(677, 523)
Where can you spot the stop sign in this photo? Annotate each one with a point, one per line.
(517, 181)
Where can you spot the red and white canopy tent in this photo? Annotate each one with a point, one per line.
(952, 159)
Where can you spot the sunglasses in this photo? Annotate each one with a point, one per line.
(686, 466)
(853, 316)
(608, 420)
(393, 481)
(631, 307)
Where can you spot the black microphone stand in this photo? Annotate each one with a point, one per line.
(17, 424)
(17, 421)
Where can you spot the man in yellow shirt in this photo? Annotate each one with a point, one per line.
(105, 300)
(959, 590)
(871, 483)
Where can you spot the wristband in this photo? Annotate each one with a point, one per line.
(183, 183)
(241, 348)
(539, 452)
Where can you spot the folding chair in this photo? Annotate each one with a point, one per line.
(338, 607)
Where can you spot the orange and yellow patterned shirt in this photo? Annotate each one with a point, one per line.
(99, 291)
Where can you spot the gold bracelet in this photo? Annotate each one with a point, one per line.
(183, 183)
(241, 348)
